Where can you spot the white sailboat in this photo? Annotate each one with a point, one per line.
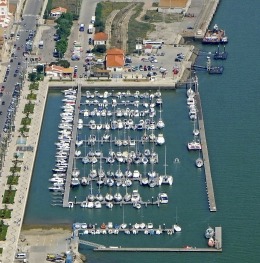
(176, 227)
(165, 179)
(160, 124)
(199, 161)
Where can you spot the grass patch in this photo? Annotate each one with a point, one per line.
(29, 107)
(15, 169)
(34, 86)
(1, 250)
(31, 96)
(9, 196)
(137, 29)
(152, 16)
(13, 180)
(24, 129)
(26, 121)
(5, 213)
(103, 10)
(3, 231)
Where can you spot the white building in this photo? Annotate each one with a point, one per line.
(5, 15)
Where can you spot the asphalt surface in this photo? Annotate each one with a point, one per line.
(30, 14)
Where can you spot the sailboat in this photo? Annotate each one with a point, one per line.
(123, 225)
(165, 179)
(91, 197)
(176, 227)
(199, 162)
(195, 131)
(160, 124)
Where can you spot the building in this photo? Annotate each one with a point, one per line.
(174, 6)
(58, 71)
(56, 12)
(100, 38)
(115, 59)
(5, 15)
(148, 48)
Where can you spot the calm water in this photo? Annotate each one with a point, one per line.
(230, 107)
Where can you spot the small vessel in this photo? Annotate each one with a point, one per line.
(199, 162)
(160, 139)
(118, 197)
(215, 36)
(211, 242)
(194, 145)
(135, 196)
(75, 182)
(163, 198)
(176, 227)
(209, 232)
(84, 181)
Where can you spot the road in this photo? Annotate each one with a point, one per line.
(19, 64)
(86, 12)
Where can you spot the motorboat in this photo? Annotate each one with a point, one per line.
(79, 143)
(56, 180)
(135, 196)
(109, 205)
(75, 173)
(97, 204)
(163, 198)
(209, 232)
(199, 162)
(194, 145)
(70, 204)
(144, 181)
(176, 228)
(160, 124)
(136, 175)
(75, 182)
(56, 188)
(160, 139)
(150, 226)
(77, 153)
(211, 242)
(137, 205)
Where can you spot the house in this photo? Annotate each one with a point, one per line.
(100, 38)
(5, 15)
(115, 59)
(174, 6)
(56, 12)
(148, 48)
(58, 71)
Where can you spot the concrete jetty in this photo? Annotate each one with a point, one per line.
(209, 184)
(72, 149)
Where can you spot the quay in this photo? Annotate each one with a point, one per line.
(209, 184)
(72, 149)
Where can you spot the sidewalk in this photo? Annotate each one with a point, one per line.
(22, 189)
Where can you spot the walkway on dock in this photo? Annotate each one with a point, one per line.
(155, 249)
(209, 184)
(72, 149)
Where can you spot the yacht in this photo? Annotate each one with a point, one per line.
(194, 145)
(160, 139)
(209, 232)
(75, 182)
(163, 198)
(99, 197)
(166, 179)
(118, 197)
(56, 188)
(160, 124)
(144, 181)
(79, 143)
(84, 181)
(136, 175)
(97, 204)
(109, 197)
(199, 162)
(177, 228)
(77, 153)
(135, 196)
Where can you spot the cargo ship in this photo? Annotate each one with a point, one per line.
(215, 36)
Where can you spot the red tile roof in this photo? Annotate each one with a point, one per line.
(115, 58)
(59, 9)
(100, 36)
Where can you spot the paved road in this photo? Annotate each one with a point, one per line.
(31, 11)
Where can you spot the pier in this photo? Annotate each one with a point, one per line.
(209, 184)
(102, 248)
(72, 149)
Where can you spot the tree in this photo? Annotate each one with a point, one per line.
(100, 49)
